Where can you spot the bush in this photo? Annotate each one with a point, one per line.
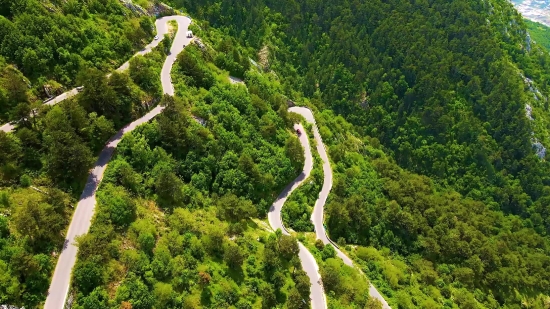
(25, 181)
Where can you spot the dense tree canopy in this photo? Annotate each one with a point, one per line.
(442, 88)
(55, 149)
(59, 39)
(174, 220)
(435, 175)
(428, 245)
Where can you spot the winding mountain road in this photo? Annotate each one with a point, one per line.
(318, 299)
(84, 212)
(162, 29)
(83, 215)
(318, 210)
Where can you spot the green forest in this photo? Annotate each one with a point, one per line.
(440, 194)
(51, 42)
(539, 33)
(54, 151)
(175, 209)
(439, 89)
(45, 161)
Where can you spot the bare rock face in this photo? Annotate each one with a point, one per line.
(540, 150)
(138, 10)
(160, 9)
(528, 43)
(529, 111)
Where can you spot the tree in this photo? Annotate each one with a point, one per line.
(125, 305)
(328, 252)
(278, 280)
(119, 205)
(99, 131)
(98, 96)
(9, 286)
(191, 64)
(330, 273)
(295, 300)
(161, 264)
(67, 157)
(146, 241)
(174, 125)
(120, 172)
(288, 247)
(136, 293)
(233, 256)
(15, 86)
(267, 293)
(97, 299)
(10, 156)
(143, 75)
(319, 245)
(88, 274)
(123, 87)
(192, 303)
(168, 188)
(232, 208)
(166, 43)
(31, 146)
(204, 278)
(164, 294)
(39, 222)
(303, 285)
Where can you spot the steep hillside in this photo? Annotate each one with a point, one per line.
(439, 84)
(53, 151)
(443, 87)
(55, 40)
(14, 91)
(539, 33)
(51, 42)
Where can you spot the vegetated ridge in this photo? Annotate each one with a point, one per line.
(448, 103)
(539, 33)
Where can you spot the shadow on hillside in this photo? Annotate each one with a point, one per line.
(96, 174)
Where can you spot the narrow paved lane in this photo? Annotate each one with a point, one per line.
(318, 210)
(309, 264)
(84, 212)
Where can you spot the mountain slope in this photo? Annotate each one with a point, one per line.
(51, 42)
(539, 32)
(442, 86)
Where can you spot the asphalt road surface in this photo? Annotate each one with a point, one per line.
(309, 264)
(318, 210)
(84, 212)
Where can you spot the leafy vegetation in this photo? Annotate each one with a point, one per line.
(345, 286)
(57, 40)
(447, 105)
(539, 33)
(52, 42)
(296, 213)
(31, 226)
(437, 188)
(54, 151)
(174, 209)
(14, 96)
(422, 245)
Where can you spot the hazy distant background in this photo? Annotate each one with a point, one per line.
(536, 10)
